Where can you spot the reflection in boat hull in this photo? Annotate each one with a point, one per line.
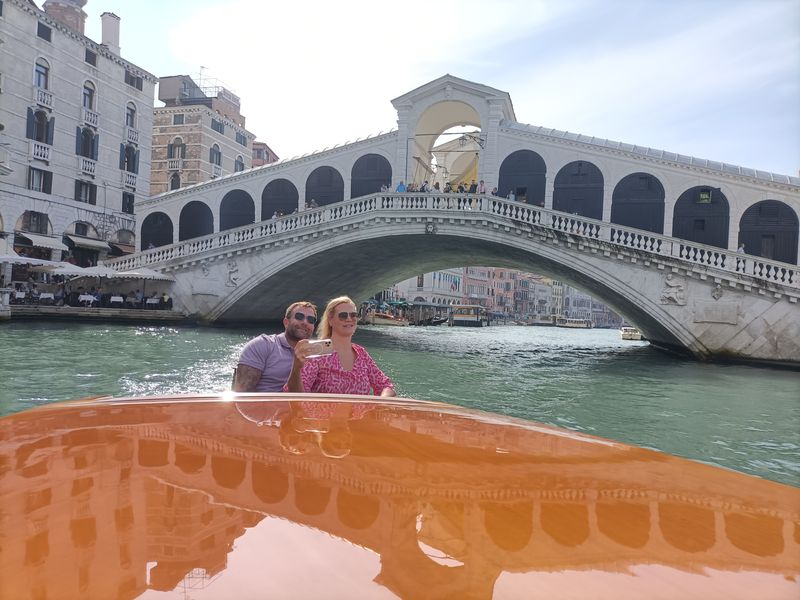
(110, 499)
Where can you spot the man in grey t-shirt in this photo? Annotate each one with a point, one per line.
(266, 361)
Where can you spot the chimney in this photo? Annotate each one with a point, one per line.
(68, 12)
(110, 27)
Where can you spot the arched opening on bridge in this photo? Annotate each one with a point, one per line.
(638, 201)
(761, 535)
(237, 209)
(509, 525)
(189, 460)
(626, 523)
(280, 197)
(578, 190)
(357, 511)
(446, 145)
(701, 215)
(325, 185)
(368, 174)
(568, 524)
(769, 229)
(156, 231)
(687, 528)
(196, 220)
(524, 172)
(227, 472)
(270, 484)
(310, 496)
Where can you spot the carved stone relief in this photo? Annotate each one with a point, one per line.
(674, 291)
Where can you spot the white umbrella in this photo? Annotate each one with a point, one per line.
(61, 268)
(145, 273)
(16, 259)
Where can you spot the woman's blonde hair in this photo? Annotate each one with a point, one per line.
(324, 329)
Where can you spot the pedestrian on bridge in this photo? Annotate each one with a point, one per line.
(349, 369)
(266, 361)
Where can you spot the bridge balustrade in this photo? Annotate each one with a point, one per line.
(521, 214)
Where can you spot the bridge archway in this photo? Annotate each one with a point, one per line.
(638, 201)
(196, 220)
(325, 185)
(368, 174)
(237, 209)
(578, 190)
(279, 196)
(525, 172)
(702, 215)
(770, 229)
(157, 230)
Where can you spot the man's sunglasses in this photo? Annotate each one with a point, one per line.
(312, 320)
(343, 316)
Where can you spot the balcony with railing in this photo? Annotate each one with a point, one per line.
(42, 97)
(175, 164)
(129, 179)
(87, 166)
(91, 118)
(39, 150)
(216, 171)
(132, 135)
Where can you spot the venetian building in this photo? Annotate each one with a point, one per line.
(198, 135)
(76, 122)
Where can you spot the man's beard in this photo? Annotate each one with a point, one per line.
(291, 333)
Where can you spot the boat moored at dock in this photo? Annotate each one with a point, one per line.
(574, 323)
(469, 315)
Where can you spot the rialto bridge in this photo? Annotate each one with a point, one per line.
(650, 233)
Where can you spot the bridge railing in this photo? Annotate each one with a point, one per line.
(455, 204)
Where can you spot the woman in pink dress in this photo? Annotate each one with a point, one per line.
(349, 369)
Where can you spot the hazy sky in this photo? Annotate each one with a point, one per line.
(716, 79)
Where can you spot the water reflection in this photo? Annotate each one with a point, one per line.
(109, 502)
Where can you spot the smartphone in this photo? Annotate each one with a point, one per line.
(320, 348)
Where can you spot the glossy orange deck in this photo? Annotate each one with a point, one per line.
(202, 498)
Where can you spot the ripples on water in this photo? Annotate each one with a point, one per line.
(744, 418)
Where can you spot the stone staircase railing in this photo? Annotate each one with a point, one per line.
(460, 205)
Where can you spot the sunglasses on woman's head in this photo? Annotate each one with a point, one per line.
(343, 316)
(312, 320)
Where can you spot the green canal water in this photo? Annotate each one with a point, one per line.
(740, 417)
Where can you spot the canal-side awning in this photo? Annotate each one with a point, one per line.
(123, 248)
(88, 243)
(41, 241)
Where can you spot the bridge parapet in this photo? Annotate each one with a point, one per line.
(424, 205)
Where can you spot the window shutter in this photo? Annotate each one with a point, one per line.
(47, 182)
(122, 156)
(170, 151)
(95, 146)
(92, 193)
(77, 190)
(183, 151)
(31, 126)
(78, 141)
(136, 162)
(51, 126)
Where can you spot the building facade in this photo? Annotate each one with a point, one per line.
(76, 121)
(198, 135)
(263, 154)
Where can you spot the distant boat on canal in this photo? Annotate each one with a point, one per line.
(574, 323)
(378, 318)
(469, 315)
(630, 333)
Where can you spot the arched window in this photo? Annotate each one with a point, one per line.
(174, 181)
(215, 155)
(701, 215)
(769, 229)
(130, 115)
(128, 158)
(86, 143)
(238, 164)
(88, 95)
(40, 127)
(578, 189)
(41, 74)
(176, 149)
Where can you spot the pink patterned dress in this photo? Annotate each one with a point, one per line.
(326, 375)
